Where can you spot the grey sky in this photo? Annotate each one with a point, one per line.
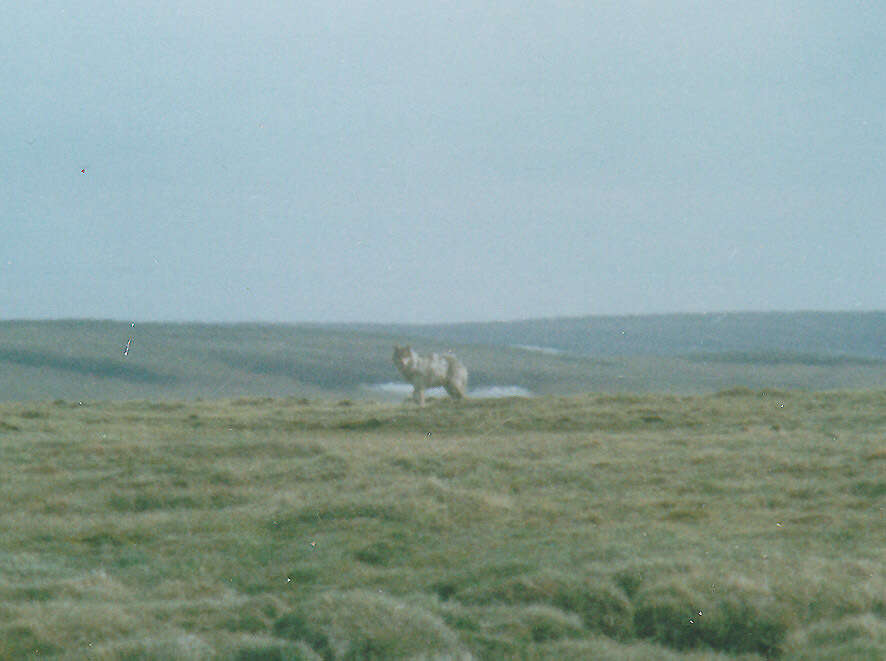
(408, 161)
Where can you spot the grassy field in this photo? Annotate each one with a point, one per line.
(736, 525)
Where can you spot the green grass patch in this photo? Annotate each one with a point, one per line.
(617, 526)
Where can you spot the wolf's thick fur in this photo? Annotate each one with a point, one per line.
(435, 370)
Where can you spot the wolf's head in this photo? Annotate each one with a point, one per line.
(402, 355)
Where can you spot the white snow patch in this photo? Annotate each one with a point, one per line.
(395, 388)
(500, 391)
(403, 389)
(534, 347)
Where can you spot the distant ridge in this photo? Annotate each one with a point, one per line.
(85, 360)
(861, 334)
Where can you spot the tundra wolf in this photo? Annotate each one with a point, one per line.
(435, 370)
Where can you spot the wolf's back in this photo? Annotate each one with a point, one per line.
(456, 376)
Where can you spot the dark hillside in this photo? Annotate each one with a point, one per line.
(81, 360)
(828, 333)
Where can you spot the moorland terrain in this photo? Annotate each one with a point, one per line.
(244, 492)
(736, 525)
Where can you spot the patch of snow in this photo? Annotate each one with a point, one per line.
(403, 389)
(400, 389)
(534, 347)
(500, 391)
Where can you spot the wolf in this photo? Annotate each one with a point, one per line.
(435, 370)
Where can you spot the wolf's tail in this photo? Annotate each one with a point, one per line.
(456, 378)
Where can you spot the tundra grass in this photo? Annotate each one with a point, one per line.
(741, 525)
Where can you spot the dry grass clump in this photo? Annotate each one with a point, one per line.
(540, 623)
(605, 649)
(857, 637)
(267, 648)
(360, 624)
(168, 645)
(665, 614)
(526, 624)
(631, 576)
(494, 632)
(735, 615)
(816, 590)
(462, 505)
(601, 605)
(215, 608)
(19, 640)
(48, 627)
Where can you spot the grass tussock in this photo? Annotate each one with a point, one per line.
(171, 645)
(860, 637)
(735, 615)
(600, 604)
(268, 648)
(360, 624)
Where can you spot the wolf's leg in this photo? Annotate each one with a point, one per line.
(453, 389)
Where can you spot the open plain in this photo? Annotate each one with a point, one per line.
(743, 524)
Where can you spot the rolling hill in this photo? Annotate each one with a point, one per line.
(834, 334)
(83, 359)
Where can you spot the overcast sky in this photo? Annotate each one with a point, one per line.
(440, 161)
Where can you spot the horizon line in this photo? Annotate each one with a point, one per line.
(569, 317)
